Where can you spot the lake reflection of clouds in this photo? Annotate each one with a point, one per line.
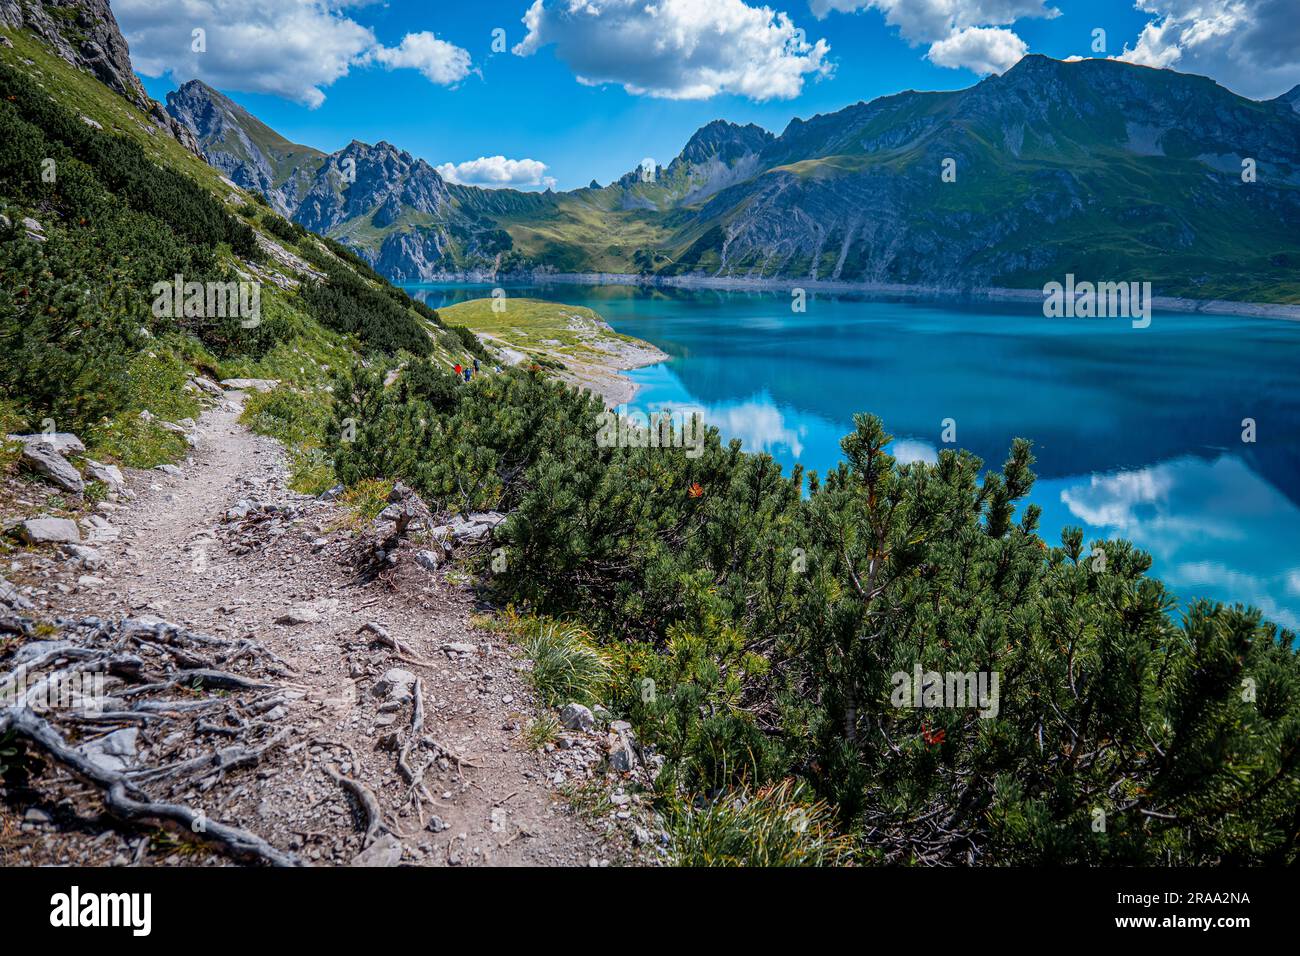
(1207, 524)
(758, 423)
(908, 450)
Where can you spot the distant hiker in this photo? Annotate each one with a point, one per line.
(476, 366)
(458, 370)
(467, 374)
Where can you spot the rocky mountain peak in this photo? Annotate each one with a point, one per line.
(85, 33)
(725, 141)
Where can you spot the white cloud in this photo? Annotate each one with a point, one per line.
(495, 172)
(677, 49)
(1250, 46)
(287, 48)
(979, 49)
(960, 32)
(441, 62)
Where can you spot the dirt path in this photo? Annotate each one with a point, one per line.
(281, 577)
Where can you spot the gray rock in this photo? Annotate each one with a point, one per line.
(245, 384)
(621, 745)
(99, 530)
(36, 815)
(49, 464)
(456, 647)
(49, 531)
(330, 494)
(476, 527)
(114, 752)
(396, 683)
(385, 851)
(209, 386)
(299, 615)
(88, 558)
(64, 443)
(577, 717)
(429, 560)
(9, 595)
(170, 470)
(243, 508)
(110, 475)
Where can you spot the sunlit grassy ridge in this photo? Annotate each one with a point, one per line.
(538, 328)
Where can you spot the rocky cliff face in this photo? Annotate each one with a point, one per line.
(380, 181)
(85, 33)
(247, 151)
(392, 208)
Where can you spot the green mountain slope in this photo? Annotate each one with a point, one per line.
(98, 205)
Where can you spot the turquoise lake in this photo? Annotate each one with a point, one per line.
(1137, 432)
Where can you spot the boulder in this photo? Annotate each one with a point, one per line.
(476, 527)
(456, 647)
(209, 386)
(429, 560)
(246, 384)
(42, 459)
(49, 531)
(64, 443)
(171, 470)
(577, 717)
(621, 745)
(396, 684)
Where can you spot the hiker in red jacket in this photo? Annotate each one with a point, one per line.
(458, 370)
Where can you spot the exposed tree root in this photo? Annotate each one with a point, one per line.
(128, 801)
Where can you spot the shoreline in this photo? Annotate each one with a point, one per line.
(1274, 310)
(598, 362)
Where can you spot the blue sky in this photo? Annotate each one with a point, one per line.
(425, 77)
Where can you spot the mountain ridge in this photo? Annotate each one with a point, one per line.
(1092, 166)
